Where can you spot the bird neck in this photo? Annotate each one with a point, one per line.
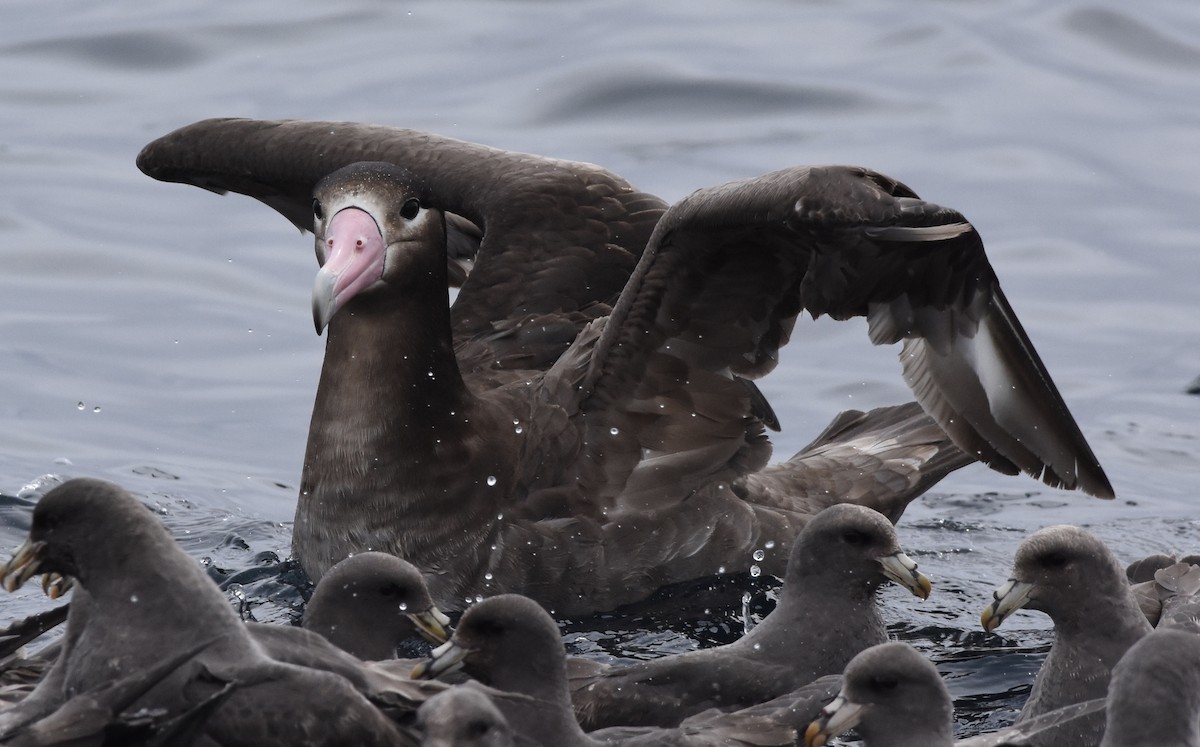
(800, 625)
(391, 399)
(396, 351)
(173, 603)
(543, 711)
(401, 457)
(173, 584)
(1112, 617)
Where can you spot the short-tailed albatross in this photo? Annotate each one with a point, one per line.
(581, 426)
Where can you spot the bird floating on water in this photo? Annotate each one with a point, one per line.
(581, 426)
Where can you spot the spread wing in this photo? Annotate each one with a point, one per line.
(719, 287)
(547, 237)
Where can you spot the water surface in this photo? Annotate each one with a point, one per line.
(159, 336)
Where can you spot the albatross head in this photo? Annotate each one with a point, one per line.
(373, 228)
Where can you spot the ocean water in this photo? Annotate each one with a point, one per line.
(159, 336)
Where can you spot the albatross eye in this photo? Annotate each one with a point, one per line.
(317, 211)
(410, 208)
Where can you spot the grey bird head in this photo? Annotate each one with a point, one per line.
(507, 642)
(1064, 571)
(855, 547)
(892, 695)
(462, 717)
(65, 536)
(372, 601)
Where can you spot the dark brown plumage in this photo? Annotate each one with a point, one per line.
(583, 429)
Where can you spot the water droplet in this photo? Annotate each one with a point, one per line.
(499, 517)
(757, 646)
(80, 406)
(487, 576)
(403, 606)
(478, 598)
(133, 598)
(96, 409)
(518, 429)
(755, 571)
(769, 544)
(759, 555)
(491, 480)
(614, 430)
(720, 569)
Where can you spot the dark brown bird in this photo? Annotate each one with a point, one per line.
(580, 426)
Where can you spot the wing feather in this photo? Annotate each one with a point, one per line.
(728, 270)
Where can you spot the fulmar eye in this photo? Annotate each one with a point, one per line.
(392, 590)
(1054, 560)
(854, 537)
(410, 208)
(317, 211)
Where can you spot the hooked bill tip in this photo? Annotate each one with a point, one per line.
(989, 619)
(431, 625)
(324, 300)
(319, 320)
(924, 587)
